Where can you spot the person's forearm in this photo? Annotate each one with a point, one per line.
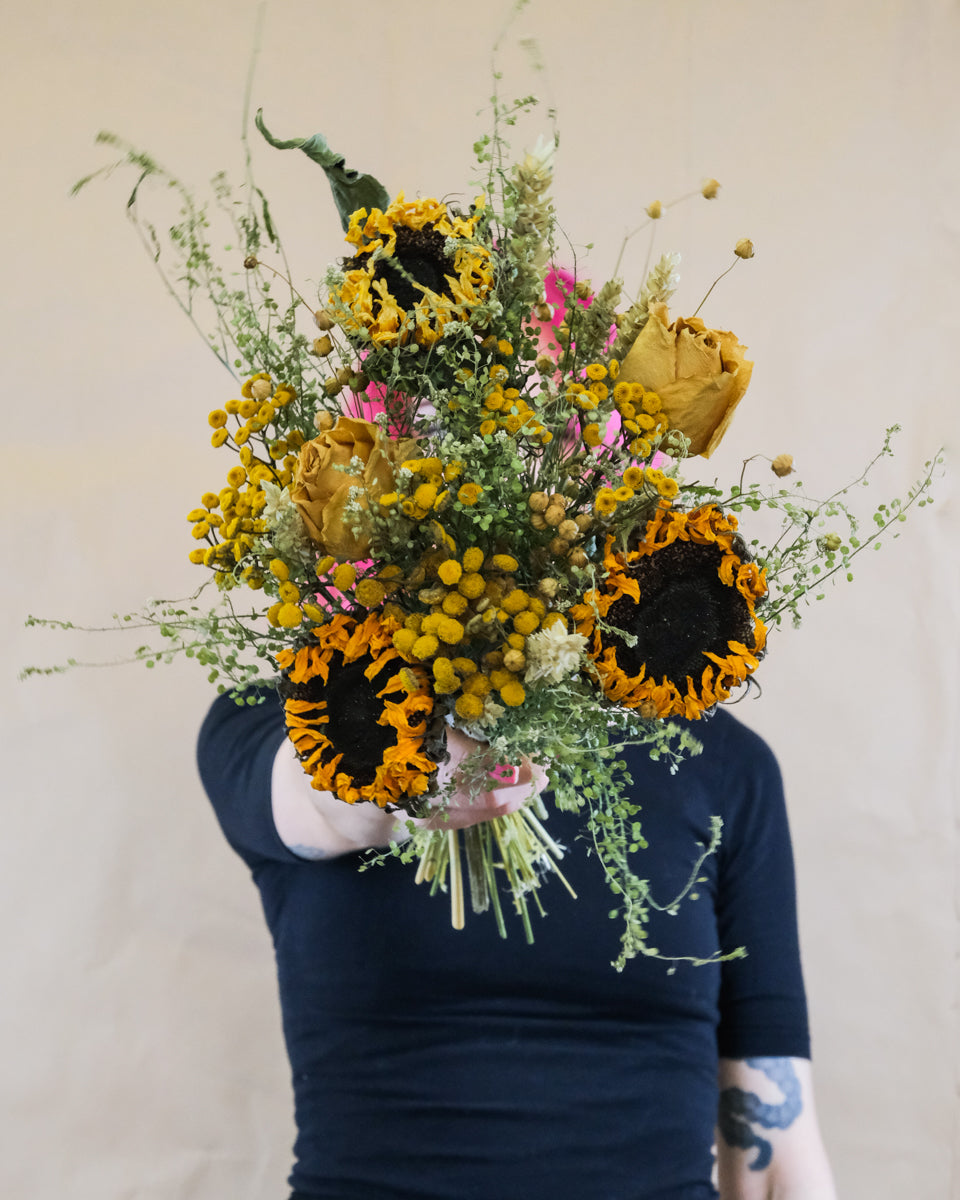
(354, 827)
(316, 824)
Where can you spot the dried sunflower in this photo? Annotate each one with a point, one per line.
(687, 592)
(361, 720)
(416, 268)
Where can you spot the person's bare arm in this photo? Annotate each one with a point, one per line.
(316, 824)
(768, 1140)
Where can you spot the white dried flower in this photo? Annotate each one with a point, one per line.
(288, 534)
(553, 653)
(278, 501)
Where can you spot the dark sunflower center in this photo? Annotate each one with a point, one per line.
(418, 258)
(684, 610)
(353, 709)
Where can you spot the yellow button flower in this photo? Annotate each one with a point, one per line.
(450, 572)
(469, 707)
(469, 494)
(512, 693)
(289, 616)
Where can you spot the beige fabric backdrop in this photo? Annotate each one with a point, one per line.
(142, 1053)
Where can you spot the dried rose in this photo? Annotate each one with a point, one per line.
(321, 491)
(699, 374)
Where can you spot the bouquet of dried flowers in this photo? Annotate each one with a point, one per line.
(456, 496)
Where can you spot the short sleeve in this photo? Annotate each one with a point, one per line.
(235, 753)
(763, 1009)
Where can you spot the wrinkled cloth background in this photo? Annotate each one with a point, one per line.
(141, 1053)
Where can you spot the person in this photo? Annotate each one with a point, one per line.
(435, 1064)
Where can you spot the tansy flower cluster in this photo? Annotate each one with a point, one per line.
(232, 532)
(505, 408)
(473, 634)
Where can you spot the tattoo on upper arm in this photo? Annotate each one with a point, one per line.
(739, 1109)
(311, 852)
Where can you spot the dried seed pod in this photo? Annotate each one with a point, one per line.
(569, 529)
(554, 515)
(577, 557)
(323, 319)
(559, 547)
(537, 521)
(538, 501)
(431, 595)
(782, 465)
(514, 660)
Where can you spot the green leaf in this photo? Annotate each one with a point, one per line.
(351, 189)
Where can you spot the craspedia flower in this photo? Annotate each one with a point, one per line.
(686, 591)
(417, 267)
(360, 730)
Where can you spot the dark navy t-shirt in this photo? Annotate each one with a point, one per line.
(431, 1064)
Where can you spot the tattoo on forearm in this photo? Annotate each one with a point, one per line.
(739, 1109)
